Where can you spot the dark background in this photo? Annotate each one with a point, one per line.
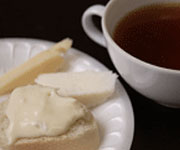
(156, 127)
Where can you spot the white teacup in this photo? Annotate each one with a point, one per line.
(157, 83)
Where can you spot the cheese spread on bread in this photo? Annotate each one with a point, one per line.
(36, 111)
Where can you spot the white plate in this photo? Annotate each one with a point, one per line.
(115, 117)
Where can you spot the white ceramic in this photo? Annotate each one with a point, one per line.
(157, 83)
(115, 117)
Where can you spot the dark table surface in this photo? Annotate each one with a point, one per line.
(156, 127)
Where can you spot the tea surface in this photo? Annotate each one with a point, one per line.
(152, 34)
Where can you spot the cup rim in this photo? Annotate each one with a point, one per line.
(126, 54)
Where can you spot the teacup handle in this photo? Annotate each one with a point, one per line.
(89, 27)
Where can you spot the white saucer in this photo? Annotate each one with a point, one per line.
(115, 117)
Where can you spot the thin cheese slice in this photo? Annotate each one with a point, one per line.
(89, 87)
(44, 62)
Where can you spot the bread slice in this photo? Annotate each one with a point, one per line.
(89, 87)
(83, 135)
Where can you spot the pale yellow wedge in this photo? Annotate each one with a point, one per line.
(44, 62)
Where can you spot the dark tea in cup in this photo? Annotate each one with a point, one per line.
(152, 34)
